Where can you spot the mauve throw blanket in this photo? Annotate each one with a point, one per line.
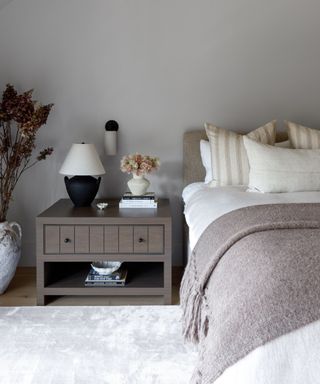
(254, 275)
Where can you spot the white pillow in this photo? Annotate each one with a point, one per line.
(206, 159)
(228, 156)
(274, 169)
(205, 153)
(206, 156)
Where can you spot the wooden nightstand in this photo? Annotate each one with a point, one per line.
(69, 239)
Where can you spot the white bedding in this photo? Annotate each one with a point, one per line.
(290, 359)
(293, 358)
(204, 204)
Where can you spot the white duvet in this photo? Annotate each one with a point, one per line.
(291, 359)
(204, 204)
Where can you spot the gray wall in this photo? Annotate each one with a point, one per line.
(159, 68)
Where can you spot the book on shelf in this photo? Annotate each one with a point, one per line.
(138, 204)
(147, 196)
(116, 279)
(95, 276)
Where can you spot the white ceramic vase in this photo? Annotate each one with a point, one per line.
(10, 249)
(138, 185)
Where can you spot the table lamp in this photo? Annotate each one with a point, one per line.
(82, 162)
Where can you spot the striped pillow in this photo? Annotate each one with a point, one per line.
(230, 164)
(302, 137)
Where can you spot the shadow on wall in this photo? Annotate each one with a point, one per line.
(3, 3)
(169, 184)
(114, 182)
(169, 179)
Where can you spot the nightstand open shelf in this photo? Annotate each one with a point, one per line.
(69, 239)
(73, 275)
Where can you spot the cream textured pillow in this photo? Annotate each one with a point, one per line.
(303, 137)
(283, 144)
(228, 156)
(206, 159)
(274, 169)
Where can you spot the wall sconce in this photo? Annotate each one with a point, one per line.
(110, 137)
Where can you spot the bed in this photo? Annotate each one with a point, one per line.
(250, 301)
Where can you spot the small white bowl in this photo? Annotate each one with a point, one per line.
(102, 206)
(106, 267)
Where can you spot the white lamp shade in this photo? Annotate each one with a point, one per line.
(82, 160)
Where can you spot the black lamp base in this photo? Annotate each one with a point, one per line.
(82, 189)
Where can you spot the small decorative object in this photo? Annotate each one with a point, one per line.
(110, 137)
(20, 119)
(139, 165)
(83, 162)
(106, 267)
(102, 206)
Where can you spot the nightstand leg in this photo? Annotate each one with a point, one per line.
(40, 300)
(168, 282)
(167, 299)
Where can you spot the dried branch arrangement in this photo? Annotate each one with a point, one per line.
(20, 119)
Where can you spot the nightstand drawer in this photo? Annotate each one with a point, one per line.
(125, 239)
(66, 239)
(108, 239)
(156, 239)
(140, 239)
(51, 239)
(136, 239)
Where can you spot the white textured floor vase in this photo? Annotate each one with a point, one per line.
(98, 345)
(10, 246)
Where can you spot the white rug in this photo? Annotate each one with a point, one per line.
(81, 345)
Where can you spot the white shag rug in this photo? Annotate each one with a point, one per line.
(83, 345)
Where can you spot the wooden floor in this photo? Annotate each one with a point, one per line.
(22, 292)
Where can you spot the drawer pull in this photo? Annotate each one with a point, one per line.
(67, 240)
(141, 240)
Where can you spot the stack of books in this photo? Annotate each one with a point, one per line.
(116, 279)
(144, 201)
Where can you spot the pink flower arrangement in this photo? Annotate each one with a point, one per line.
(139, 164)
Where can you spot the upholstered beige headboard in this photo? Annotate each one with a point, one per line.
(193, 170)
